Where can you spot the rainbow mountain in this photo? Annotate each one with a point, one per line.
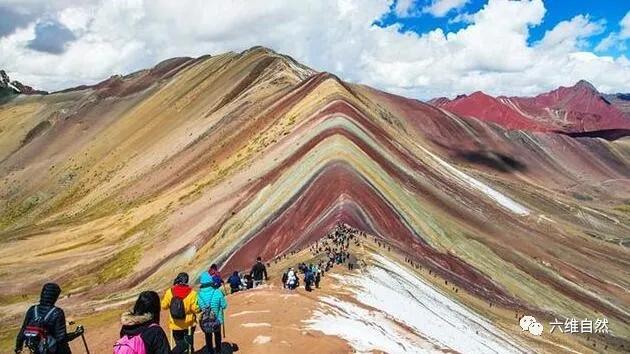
(114, 188)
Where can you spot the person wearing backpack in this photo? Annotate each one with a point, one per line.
(235, 282)
(141, 332)
(308, 279)
(212, 303)
(181, 301)
(44, 327)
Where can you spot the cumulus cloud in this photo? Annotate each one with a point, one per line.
(404, 8)
(12, 19)
(493, 52)
(617, 39)
(51, 37)
(439, 8)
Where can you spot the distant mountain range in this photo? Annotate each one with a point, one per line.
(115, 188)
(579, 109)
(8, 87)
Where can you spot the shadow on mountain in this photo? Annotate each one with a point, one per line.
(607, 134)
(494, 160)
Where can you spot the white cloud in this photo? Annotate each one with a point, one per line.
(439, 8)
(404, 8)
(492, 53)
(567, 35)
(617, 39)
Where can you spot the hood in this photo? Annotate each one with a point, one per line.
(205, 278)
(182, 278)
(181, 290)
(133, 325)
(130, 319)
(50, 294)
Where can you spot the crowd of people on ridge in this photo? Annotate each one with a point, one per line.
(44, 326)
(331, 250)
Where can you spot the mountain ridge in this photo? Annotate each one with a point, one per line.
(237, 155)
(576, 109)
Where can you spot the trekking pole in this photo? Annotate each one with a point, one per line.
(223, 324)
(87, 350)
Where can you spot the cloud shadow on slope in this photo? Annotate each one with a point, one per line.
(495, 160)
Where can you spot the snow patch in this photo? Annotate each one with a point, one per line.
(261, 340)
(398, 312)
(256, 324)
(498, 197)
(248, 312)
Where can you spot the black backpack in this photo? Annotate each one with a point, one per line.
(36, 336)
(177, 308)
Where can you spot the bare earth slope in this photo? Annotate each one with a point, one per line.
(576, 109)
(115, 188)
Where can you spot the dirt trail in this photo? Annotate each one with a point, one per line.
(263, 320)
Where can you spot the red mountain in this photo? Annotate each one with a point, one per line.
(577, 109)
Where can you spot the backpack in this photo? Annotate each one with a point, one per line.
(209, 321)
(36, 334)
(177, 308)
(131, 344)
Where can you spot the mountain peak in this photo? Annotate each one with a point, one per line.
(585, 84)
(8, 87)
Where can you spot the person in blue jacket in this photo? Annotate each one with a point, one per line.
(210, 295)
(235, 282)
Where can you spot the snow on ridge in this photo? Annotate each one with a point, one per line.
(398, 312)
(498, 197)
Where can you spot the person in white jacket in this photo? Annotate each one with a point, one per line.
(291, 279)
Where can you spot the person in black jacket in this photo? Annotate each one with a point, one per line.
(55, 323)
(144, 320)
(259, 272)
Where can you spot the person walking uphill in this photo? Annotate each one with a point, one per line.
(235, 282)
(44, 327)
(181, 301)
(211, 301)
(141, 331)
(259, 272)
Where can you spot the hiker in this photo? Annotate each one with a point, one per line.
(44, 327)
(235, 282)
(285, 278)
(212, 303)
(249, 283)
(352, 261)
(318, 276)
(308, 279)
(259, 271)
(214, 272)
(141, 331)
(292, 280)
(181, 301)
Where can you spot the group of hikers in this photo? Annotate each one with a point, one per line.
(333, 249)
(312, 276)
(44, 328)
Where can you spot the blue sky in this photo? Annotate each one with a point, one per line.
(415, 48)
(610, 11)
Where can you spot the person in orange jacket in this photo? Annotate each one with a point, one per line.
(181, 301)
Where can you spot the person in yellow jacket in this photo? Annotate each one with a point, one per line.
(181, 301)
